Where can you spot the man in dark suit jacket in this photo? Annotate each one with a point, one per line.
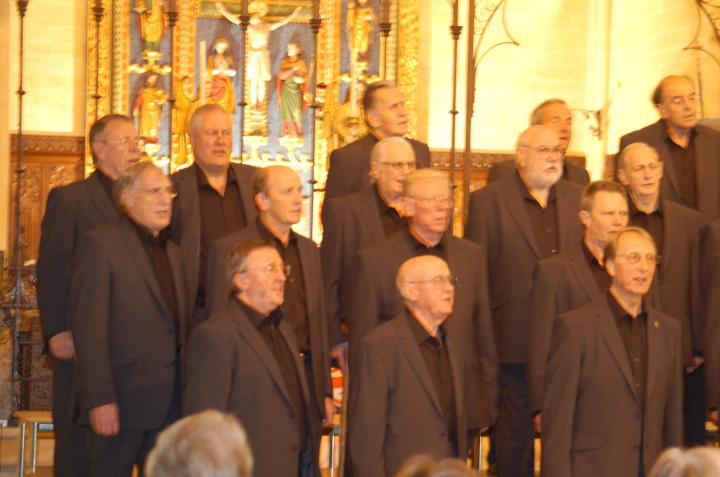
(710, 294)
(72, 211)
(520, 220)
(360, 219)
(376, 300)
(127, 315)
(278, 196)
(214, 198)
(408, 393)
(385, 115)
(572, 278)
(613, 398)
(689, 151)
(245, 360)
(555, 114)
(676, 231)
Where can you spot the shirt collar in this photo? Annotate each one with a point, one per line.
(619, 312)
(147, 237)
(591, 260)
(420, 334)
(421, 247)
(258, 319)
(526, 192)
(202, 180)
(265, 234)
(633, 209)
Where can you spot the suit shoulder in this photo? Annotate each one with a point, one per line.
(243, 169)
(581, 315)
(701, 128)
(465, 247)
(231, 239)
(639, 135)
(182, 174)
(384, 334)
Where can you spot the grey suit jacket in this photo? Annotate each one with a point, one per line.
(375, 299)
(126, 338)
(497, 220)
(186, 224)
(71, 211)
(571, 172)
(218, 293)
(352, 222)
(593, 420)
(230, 368)
(349, 166)
(394, 411)
(707, 151)
(561, 283)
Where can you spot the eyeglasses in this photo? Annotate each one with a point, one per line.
(158, 192)
(125, 141)
(438, 199)
(275, 268)
(555, 151)
(635, 257)
(440, 281)
(680, 100)
(398, 165)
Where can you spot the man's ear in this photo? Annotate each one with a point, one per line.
(261, 201)
(239, 281)
(610, 267)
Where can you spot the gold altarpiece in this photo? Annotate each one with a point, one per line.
(119, 67)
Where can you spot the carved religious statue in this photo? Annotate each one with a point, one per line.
(151, 24)
(258, 55)
(185, 104)
(359, 24)
(292, 83)
(148, 107)
(220, 68)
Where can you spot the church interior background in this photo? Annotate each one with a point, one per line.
(293, 89)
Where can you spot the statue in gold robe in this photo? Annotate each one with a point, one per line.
(185, 104)
(359, 24)
(152, 23)
(291, 83)
(220, 67)
(147, 108)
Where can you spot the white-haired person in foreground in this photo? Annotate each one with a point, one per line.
(695, 462)
(207, 444)
(423, 465)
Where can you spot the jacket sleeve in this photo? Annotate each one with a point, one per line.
(673, 425)
(331, 253)
(217, 290)
(542, 313)
(208, 372)
(364, 311)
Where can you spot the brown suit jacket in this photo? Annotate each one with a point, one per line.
(375, 299)
(710, 293)
(497, 220)
(561, 283)
(186, 224)
(218, 293)
(352, 222)
(593, 421)
(675, 288)
(571, 172)
(230, 368)
(126, 338)
(707, 150)
(349, 169)
(394, 411)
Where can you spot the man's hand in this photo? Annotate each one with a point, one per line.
(329, 412)
(537, 423)
(105, 420)
(697, 361)
(339, 354)
(62, 346)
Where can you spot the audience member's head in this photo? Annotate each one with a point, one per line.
(114, 144)
(676, 101)
(384, 107)
(555, 114)
(425, 466)
(391, 160)
(208, 444)
(539, 158)
(695, 462)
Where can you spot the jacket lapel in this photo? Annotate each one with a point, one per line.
(370, 215)
(583, 274)
(101, 200)
(305, 249)
(191, 225)
(612, 338)
(244, 183)
(567, 210)
(289, 337)
(458, 374)
(516, 209)
(659, 132)
(656, 349)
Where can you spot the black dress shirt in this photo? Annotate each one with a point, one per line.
(685, 166)
(295, 305)
(602, 279)
(652, 222)
(633, 332)
(106, 183)
(437, 361)
(389, 217)
(268, 328)
(220, 215)
(155, 249)
(543, 220)
(419, 248)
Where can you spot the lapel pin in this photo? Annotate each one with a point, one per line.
(656, 323)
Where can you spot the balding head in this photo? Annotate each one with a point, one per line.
(539, 157)
(427, 288)
(391, 159)
(555, 114)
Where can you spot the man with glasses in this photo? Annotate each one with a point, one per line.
(519, 220)
(71, 211)
(675, 230)
(278, 193)
(358, 220)
(688, 150)
(613, 397)
(215, 198)
(555, 114)
(245, 360)
(385, 116)
(127, 315)
(375, 300)
(408, 393)
(572, 278)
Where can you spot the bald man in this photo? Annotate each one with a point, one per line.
(519, 220)
(555, 114)
(214, 198)
(408, 394)
(360, 219)
(689, 151)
